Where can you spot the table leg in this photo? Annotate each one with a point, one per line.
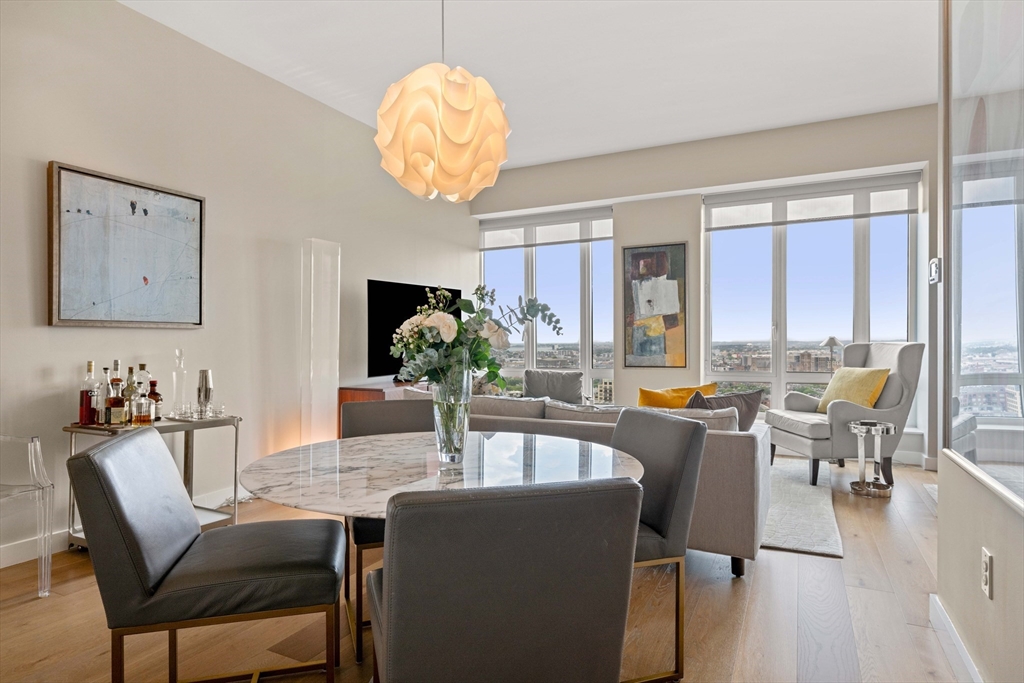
(861, 464)
(71, 492)
(234, 513)
(878, 455)
(188, 465)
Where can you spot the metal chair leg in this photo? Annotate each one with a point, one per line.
(116, 657)
(337, 630)
(358, 635)
(172, 655)
(331, 623)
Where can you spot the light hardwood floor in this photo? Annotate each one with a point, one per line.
(791, 618)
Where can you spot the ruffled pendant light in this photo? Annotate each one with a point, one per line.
(442, 131)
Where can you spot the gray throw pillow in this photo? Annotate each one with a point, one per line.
(557, 410)
(747, 404)
(503, 406)
(557, 384)
(722, 420)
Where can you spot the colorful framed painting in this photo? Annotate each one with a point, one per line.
(124, 253)
(654, 304)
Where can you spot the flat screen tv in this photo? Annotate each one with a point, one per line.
(389, 304)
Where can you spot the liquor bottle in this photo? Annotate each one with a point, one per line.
(102, 413)
(87, 396)
(115, 403)
(129, 392)
(142, 377)
(179, 402)
(142, 410)
(117, 369)
(158, 401)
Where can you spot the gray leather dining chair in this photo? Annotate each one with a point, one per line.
(671, 449)
(157, 572)
(368, 418)
(505, 584)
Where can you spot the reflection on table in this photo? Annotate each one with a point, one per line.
(356, 477)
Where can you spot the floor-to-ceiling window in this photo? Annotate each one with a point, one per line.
(565, 260)
(790, 268)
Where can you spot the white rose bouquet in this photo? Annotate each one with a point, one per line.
(434, 342)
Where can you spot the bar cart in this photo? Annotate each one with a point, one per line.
(208, 518)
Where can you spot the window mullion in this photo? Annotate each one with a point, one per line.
(586, 309)
(861, 268)
(530, 290)
(779, 333)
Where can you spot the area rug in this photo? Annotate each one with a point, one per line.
(933, 491)
(801, 517)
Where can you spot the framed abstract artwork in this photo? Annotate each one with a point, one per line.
(123, 253)
(654, 304)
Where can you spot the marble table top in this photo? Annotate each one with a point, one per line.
(356, 477)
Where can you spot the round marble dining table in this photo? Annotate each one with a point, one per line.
(355, 477)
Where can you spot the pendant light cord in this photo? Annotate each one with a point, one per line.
(442, 32)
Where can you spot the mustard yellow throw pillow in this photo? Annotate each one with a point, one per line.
(862, 386)
(672, 398)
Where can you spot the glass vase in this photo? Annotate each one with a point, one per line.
(451, 411)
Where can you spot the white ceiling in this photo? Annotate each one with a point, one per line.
(585, 78)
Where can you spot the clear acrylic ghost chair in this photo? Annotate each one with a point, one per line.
(13, 451)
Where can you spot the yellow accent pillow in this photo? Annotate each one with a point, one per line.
(672, 398)
(862, 386)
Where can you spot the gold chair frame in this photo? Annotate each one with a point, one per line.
(677, 673)
(355, 613)
(331, 612)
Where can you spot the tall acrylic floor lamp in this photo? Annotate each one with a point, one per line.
(831, 343)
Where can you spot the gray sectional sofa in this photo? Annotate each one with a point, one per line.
(734, 490)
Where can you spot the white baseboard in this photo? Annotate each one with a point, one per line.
(215, 499)
(941, 622)
(929, 464)
(24, 550)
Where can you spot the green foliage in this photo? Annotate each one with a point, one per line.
(426, 354)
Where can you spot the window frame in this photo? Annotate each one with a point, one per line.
(529, 225)
(962, 173)
(861, 189)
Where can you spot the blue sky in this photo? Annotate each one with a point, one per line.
(989, 268)
(558, 285)
(819, 280)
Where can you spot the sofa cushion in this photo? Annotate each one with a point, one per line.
(809, 425)
(747, 404)
(672, 398)
(722, 420)
(558, 410)
(649, 544)
(508, 407)
(560, 385)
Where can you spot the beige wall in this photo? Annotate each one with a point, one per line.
(889, 140)
(659, 221)
(97, 85)
(973, 516)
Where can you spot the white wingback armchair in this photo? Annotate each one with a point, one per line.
(823, 436)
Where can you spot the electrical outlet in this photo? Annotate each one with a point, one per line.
(986, 572)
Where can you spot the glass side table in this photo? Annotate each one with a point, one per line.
(862, 428)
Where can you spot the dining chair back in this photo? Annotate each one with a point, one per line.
(369, 418)
(671, 449)
(156, 571)
(506, 584)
